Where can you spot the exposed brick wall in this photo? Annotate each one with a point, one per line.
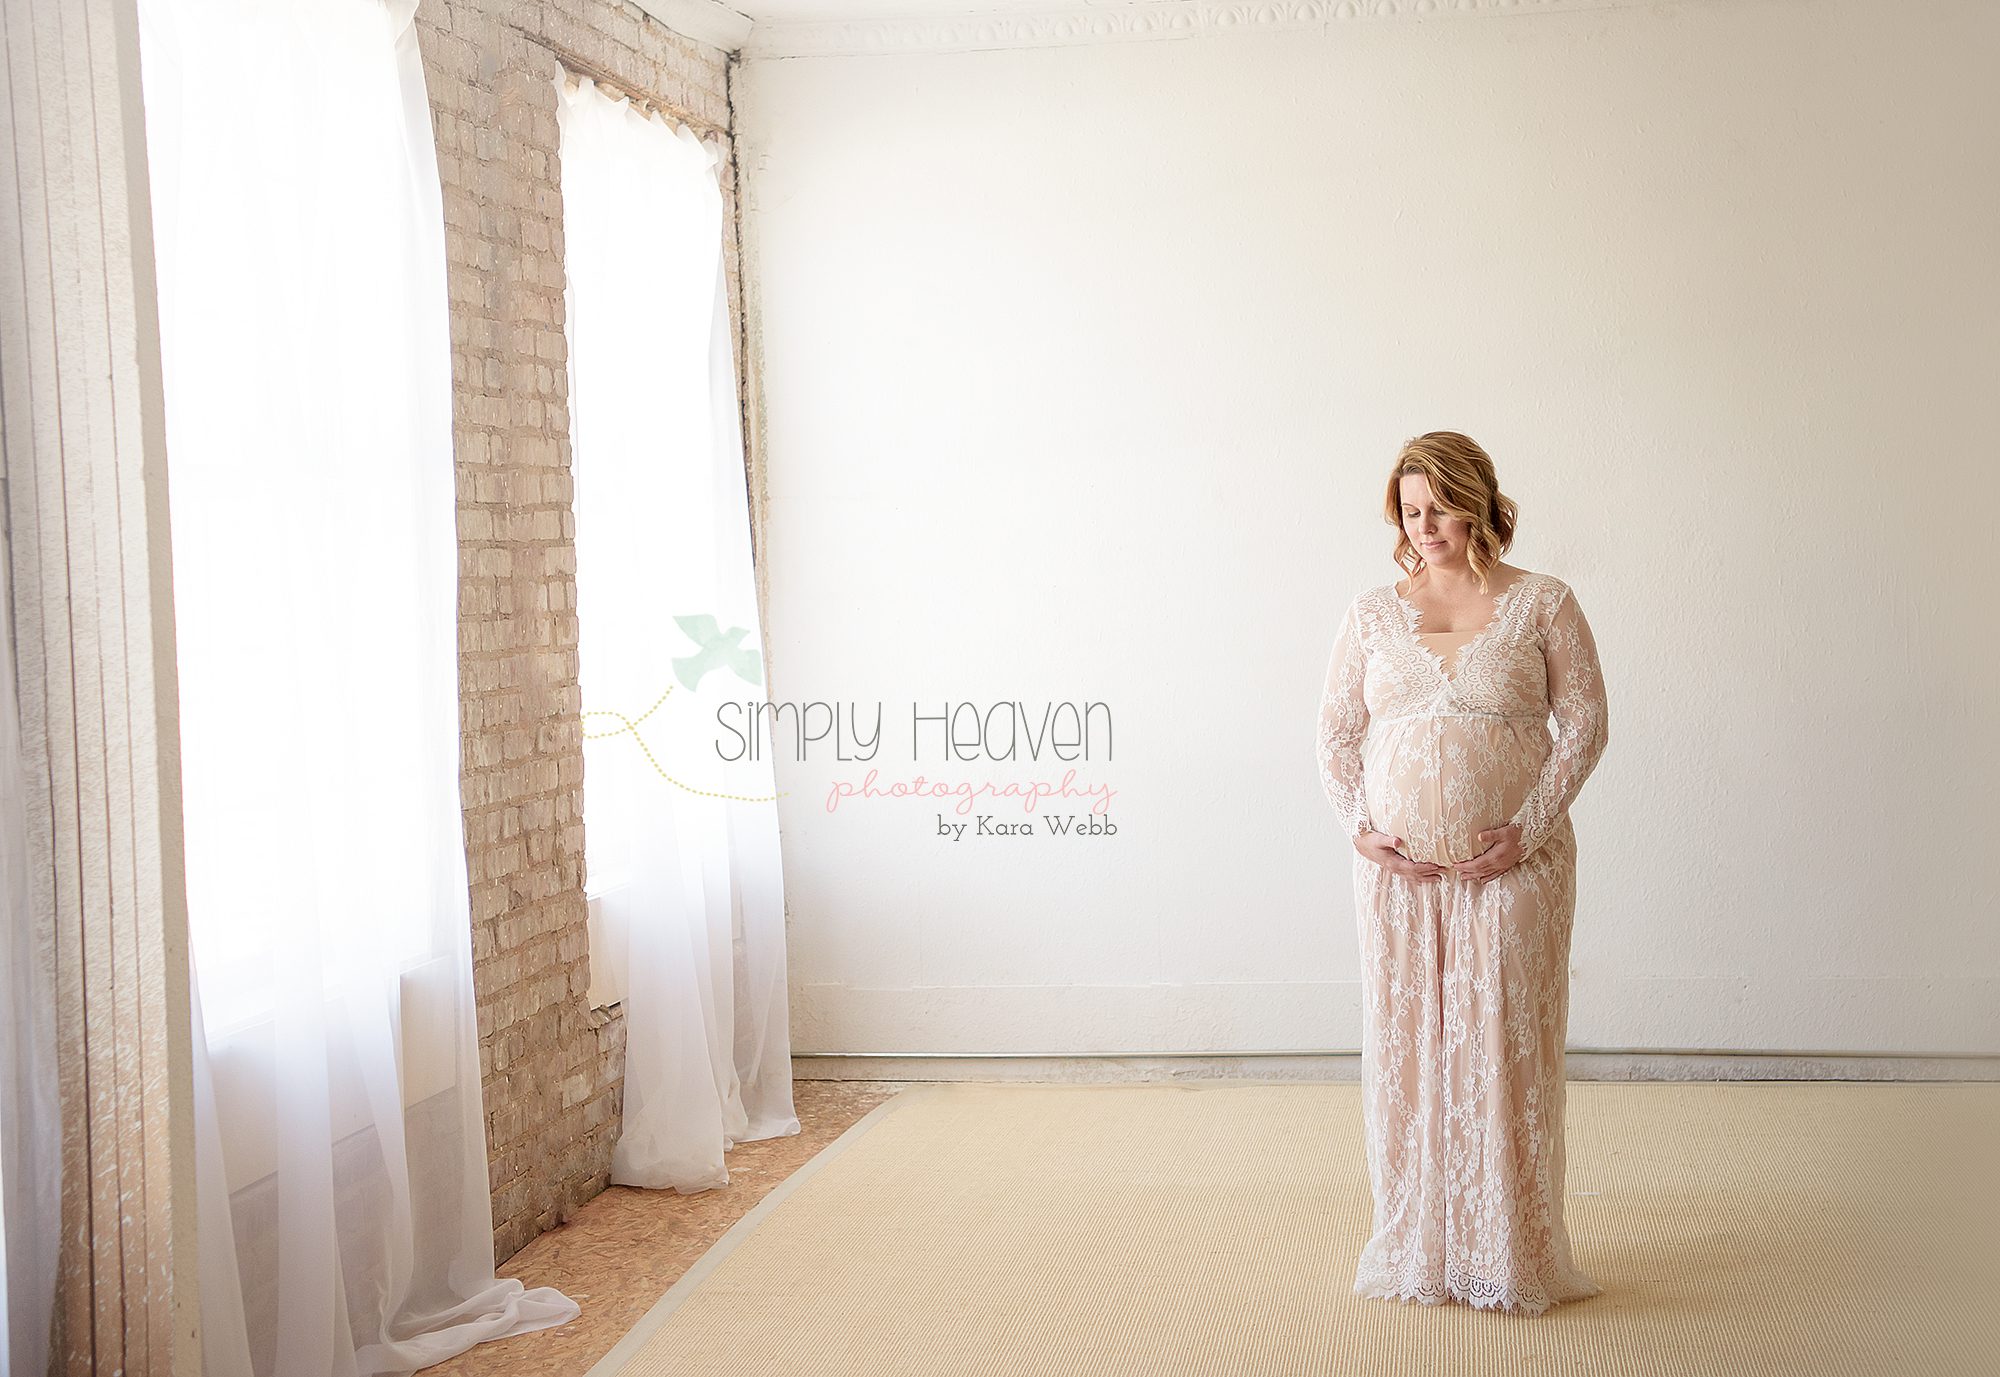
(553, 1071)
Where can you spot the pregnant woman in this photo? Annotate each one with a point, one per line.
(1435, 750)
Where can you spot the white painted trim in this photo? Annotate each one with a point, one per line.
(1064, 23)
(244, 1063)
(1179, 1068)
(705, 21)
(1766, 1015)
(607, 945)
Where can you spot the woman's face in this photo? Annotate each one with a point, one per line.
(1442, 540)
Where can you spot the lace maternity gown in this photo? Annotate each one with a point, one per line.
(1433, 737)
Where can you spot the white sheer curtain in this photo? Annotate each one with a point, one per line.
(345, 1223)
(30, 1126)
(681, 844)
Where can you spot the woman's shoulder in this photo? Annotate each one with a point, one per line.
(1548, 585)
(1371, 601)
(1545, 594)
(1362, 612)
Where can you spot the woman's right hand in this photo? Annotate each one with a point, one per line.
(1380, 847)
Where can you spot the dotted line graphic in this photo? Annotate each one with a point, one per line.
(631, 725)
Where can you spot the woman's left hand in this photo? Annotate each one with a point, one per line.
(1497, 858)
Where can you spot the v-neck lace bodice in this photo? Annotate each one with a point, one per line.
(1499, 606)
(1397, 709)
(1446, 645)
(1503, 626)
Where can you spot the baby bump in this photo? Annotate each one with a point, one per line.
(1438, 782)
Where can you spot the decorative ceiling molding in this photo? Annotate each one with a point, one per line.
(1059, 24)
(705, 21)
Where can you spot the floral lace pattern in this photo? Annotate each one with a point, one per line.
(1466, 984)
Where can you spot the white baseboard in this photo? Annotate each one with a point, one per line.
(1796, 1015)
(1584, 1065)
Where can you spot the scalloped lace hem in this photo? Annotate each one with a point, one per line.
(1507, 1299)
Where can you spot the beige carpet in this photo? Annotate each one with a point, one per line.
(1744, 1229)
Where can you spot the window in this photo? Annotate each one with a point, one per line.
(666, 608)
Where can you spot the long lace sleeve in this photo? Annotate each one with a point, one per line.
(1343, 722)
(1583, 723)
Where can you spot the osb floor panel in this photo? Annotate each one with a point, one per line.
(624, 1248)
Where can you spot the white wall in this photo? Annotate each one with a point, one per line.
(1084, 367)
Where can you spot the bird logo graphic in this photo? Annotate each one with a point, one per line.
(718, 649)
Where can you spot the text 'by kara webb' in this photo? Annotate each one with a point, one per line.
(954, 731)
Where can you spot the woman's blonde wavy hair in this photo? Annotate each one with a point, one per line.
(1465, 486)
